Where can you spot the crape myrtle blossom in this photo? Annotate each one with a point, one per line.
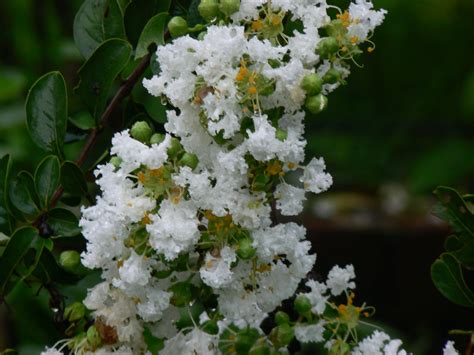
(183, 230)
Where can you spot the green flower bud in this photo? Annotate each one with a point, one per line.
(312, 84)
(70, 260)
(246, 250)
(157, 138)
(316, 104)
(209, 9)
(75, 312)
(281, 134)
(93, 337)
(141, 131)
(210, 327)
(282, 335)
(116, 161)
(332, 76)
(174, 148)
(183, 293)
(282, 318)
(190, 160)
(178, 27)
(229, 7)
(260, 350)
(327, 47)
(302, 304)
(245, 340)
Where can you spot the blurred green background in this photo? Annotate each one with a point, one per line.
(403, 125)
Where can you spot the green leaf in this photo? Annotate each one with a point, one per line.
(19, 244)
(83, 120)
(139, 12)
(153, 33)
(72, 179)
(465, 255)
(5, 222)
(23, 195)
(63, 222)
(47, 177)
(454, 210)
(98, 74)
(46, 112)
(95, 22)
(452, 243)
(447, 276)
(153, 344)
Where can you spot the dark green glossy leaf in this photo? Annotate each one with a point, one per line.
(138, 13)
(83, 120)
(153, 344)
(455, 210)
(19, 244)
(5, 222)
(46, 112)
(447, 276)
(47, 177)
(95, 22)
(153, 33)
(22, 194)
(465, 255)
(99, 72)
(72, 179)
(452, 243)
(63, 222)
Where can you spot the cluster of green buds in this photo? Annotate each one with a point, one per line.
(210, 11)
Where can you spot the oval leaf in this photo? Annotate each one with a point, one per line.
(455, 210)
(5, 222)
(153, 33)
(46, 112)
(63, 222)
(72, 179)
(447, 276)
(22, 194)
(99, 72)
(47, 177)
(95, 22)
(19, 244)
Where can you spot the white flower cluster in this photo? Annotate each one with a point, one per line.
(164, 228)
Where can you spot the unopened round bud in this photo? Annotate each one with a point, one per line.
(190, 160)
(246, 250)
(245, 340)
(332, 76)
(157, 138)
(209, 9)
(282, 318)
(302, 304)
(281, 134)
(327, 47)
(316, 104)
(93, 337)
(229, 7)
(282, 335)
(74, 312)
(260, 350)
(312, 84)
(210, 327)
(175, 148)
(70, 260)
(177, 26)
(116, 161)
(141, 131)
